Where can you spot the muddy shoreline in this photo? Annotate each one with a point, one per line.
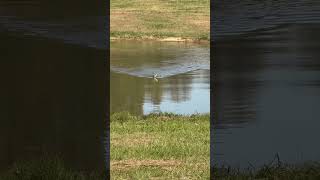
(168, 39)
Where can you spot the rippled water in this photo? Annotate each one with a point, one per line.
(242, 16)
(84, 31)
(266, 82)
(183, 74)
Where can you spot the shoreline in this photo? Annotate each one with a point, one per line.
(167, 39)
(162, 21)
(53, 167)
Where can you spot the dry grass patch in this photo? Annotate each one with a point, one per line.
(201, 22)
(119, 20)
(132, 140)
(132, 163)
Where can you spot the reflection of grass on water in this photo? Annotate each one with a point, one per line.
(165, 146)
(47, 168)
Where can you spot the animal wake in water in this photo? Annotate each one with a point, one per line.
(155, 77)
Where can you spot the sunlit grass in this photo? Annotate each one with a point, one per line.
(152, 19)
(166, 146)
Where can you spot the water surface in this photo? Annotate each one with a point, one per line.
(183, 74)
(266, 83)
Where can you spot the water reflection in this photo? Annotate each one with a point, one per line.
(266, 95)
(241, 16)
(183, 82)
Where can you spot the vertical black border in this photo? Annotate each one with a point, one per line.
(212, 114)
(107, 86)
(60, 8)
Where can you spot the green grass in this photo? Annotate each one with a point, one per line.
(165, 146)
(160, 19)
(47, 168)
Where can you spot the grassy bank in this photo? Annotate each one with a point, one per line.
(161, 20)
(164, 146)
(53, 168)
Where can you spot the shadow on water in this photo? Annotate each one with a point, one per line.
(52, 91)
(266, 88)
(45, 9)
(51, 101)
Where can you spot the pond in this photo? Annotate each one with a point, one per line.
(53, 86)
(182, 83)
(266, 84)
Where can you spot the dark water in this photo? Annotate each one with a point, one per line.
(53, 95)
(266, 84)
(183, 74)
